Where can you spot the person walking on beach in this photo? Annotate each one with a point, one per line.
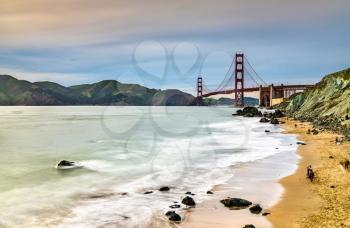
(310, 173)
(346, 164)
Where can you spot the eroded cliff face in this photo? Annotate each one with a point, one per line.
(327, 104)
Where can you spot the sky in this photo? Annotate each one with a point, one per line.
(167, 44)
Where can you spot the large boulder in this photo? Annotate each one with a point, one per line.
(251, 110)
(256, 209)
(188, 201)
(173, 216)
(236, 202)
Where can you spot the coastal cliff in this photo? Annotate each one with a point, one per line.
(325, 105)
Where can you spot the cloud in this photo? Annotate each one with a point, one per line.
(47, 23)
(64, 79)
(89, 40)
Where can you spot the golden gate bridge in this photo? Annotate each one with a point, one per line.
(240, 78)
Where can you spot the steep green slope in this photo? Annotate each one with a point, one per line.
(172, 97)
(20, 92)
(327, 104)
(114, 92)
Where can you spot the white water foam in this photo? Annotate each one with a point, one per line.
(116, 164)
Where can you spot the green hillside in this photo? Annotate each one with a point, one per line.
(108, 92)
(327, 104)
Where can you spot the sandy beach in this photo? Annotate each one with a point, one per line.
(325, 202)
(293, 201)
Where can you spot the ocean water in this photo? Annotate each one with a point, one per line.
(125, 151)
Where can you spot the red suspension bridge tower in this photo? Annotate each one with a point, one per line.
(239, 80)
(199, 90)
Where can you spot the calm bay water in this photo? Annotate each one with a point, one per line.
(125, 151)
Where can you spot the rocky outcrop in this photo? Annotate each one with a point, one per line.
(248, 112)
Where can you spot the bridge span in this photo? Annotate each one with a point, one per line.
(237, 81)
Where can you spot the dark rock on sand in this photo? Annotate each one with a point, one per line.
(265, 213)
(301, 143)
(188, 201)
(173, 216)
(148, 192)
(315, 132)
(256, 209)
(249, 226)
(264, 120)
(164, 189)
(274, 121)
(236, 202)
(175, 206)
(267, 131)
(210, 192)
